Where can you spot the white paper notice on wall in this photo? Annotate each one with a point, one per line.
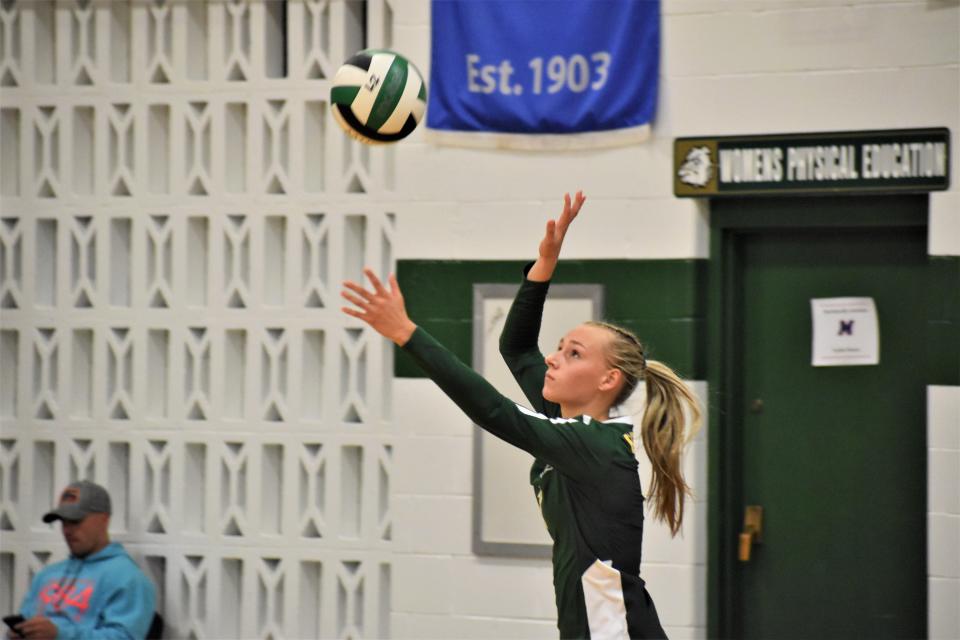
(845, 332)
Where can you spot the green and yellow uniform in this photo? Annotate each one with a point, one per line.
(584, 476)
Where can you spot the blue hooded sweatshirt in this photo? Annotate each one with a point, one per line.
(104, 595)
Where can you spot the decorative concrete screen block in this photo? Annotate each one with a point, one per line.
(10, 491)
(176, 216)
(11, 263)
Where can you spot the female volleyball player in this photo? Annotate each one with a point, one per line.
(585, 475)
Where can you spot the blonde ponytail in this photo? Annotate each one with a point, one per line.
(664, 430)
(664, 434)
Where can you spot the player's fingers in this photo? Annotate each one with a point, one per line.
(352, 312)
(375, 281)
(358, 289)
(394, 285)
(355, 300)
(578, 202)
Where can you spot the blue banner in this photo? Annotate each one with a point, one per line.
(529, 68)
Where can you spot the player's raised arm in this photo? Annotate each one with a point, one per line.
(549, 250)
(520, 336)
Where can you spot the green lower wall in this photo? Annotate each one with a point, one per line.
(943, 328)
(662, 301)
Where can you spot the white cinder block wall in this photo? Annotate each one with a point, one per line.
(728, 67)
(943, 521)
(178, 210)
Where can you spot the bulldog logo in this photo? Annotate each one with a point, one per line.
(697, 167)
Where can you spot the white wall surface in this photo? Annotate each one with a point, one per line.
(943, 519)
(727, 68)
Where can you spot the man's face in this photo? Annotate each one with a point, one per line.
(86, 536)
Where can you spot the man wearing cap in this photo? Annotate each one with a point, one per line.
(99, 591)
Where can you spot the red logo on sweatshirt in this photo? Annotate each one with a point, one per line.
(67, 597)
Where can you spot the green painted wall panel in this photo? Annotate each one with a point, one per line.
(944, 298)
(943, 330)
(662, 301)
(943, 353)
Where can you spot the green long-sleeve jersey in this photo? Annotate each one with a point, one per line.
(584, 477)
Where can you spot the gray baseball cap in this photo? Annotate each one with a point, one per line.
(79, 500)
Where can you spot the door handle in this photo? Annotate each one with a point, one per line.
(752, 530)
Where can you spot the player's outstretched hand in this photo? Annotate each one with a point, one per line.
(557, 229)
(381, 308)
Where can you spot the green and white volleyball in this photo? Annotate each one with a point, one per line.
(378, 96)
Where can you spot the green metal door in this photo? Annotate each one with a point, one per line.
(835, 456)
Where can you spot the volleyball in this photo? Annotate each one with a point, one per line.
(378, 96)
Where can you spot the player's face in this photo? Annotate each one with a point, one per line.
(577, 368)
(86, 536)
